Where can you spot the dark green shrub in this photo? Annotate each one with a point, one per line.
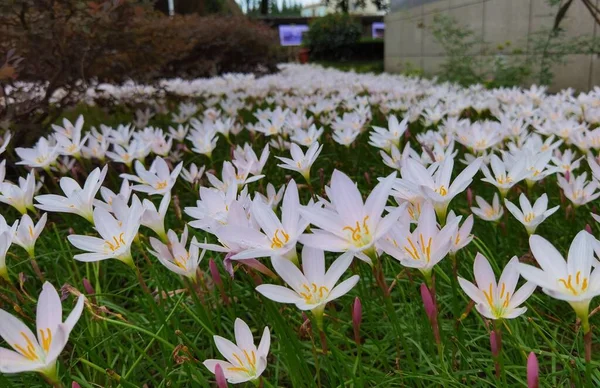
(331, 37)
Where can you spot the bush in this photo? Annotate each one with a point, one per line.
(70, 43)
(368, 50)
(331, 37)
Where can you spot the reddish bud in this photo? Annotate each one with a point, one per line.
(87, 286)
(75, 384)
(427, 301)
(368, 178)
(214, 272)
(588, 228)
(568, 176)
(469, 197)
(356, 318)
(533, 380)
(220, 376)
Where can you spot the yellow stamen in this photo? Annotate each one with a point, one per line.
(29, 353)
(529, 217)
(116, 243)
(357, 231)
(276, 242)
(46, 339)
(442, 191)
(489, 297)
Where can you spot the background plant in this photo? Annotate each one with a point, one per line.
(331, 36)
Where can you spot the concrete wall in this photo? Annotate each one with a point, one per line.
(409, 43)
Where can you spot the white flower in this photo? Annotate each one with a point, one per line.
(116, 237)
(573, 281)
(350, 224)
(530, 216)
(301, 162)
(158, 179)
(20, 197)
(68, 138)
(278, 238)
(346, 136)
(434, 182)
(424, 247)
(211, 209)
(38, 353)
(176, 257)
(245, 362)
(155, 219)
(232, 177)
(312, 288)
(27, 233)
(387, 137)
(578, 189)
(5, 141)
(42, 155)
(308, 137)
(77, 200)
(488, 212)
(497, 300)
(502, 179)
(193, 175)
(463, 235)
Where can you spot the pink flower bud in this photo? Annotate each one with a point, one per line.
(427, 301)
(87, 286)
(588, 228)
(469, 197)
(356, 318)
(532, 371)
(220, 376)
(568, 176)
(75, 384)
(494, 343)
(214, 272)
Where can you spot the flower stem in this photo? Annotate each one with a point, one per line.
(36, 268)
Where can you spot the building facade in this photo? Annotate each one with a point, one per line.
(409, 43)
(321, 8)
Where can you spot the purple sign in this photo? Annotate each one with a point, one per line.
(378, 30)
(292, 34)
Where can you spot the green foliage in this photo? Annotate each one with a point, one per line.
(287, 8)
(460, 45)
(72, 43)
(331, 36)
(470, 60)
(551, 47)
(464, 63)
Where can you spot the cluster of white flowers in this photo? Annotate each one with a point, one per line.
(505, 137)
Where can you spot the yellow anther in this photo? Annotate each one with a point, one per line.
(442, 191)
(358, 231)
(277, 242)
(29, 352)
(116, 242)
(489, 296)
(46, 339)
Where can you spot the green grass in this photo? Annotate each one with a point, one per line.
(128, 337)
